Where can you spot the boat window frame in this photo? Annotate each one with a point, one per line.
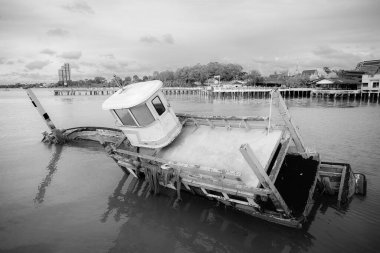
(148, 109)
(130, 114)
(159, 98)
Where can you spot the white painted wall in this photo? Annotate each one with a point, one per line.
(371, 81)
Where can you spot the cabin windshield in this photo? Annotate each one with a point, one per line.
(142, 114)
(158, 105)
(125, 117)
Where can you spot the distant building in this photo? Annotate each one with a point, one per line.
(338, 84)
(64, 74)
(311, 74)
(352, 74)
(369, 67)
(370, 83)
(234, 84)
(279, 75)
(318, 73)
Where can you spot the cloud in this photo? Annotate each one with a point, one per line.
(87, 64)
(328, 56)
(48, 51)
(110, 66)
(168, 38)
(72, 55)
(329, 52)
(80, 7)
(124, 63)
(108, 56)
(36, 64)
(59, 32)
(10, 62)
(74, 66)
(2, 60)
(149, 39)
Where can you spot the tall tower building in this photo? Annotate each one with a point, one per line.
(64, 74)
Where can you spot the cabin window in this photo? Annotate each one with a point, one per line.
(142, 114)
(365, 84)
(125, 117)
(375, 85)
(158, 105)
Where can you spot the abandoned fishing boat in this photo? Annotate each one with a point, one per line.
(250, 163)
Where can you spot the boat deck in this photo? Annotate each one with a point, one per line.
(219, 148)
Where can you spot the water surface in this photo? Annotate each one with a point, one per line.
(75, 198)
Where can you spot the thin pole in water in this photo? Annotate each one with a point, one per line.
(270, 110)
(36, 103)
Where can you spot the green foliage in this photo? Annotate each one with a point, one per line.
(189, 75)
(136, 79)
(100, 79)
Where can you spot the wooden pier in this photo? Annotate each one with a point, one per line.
(185, 91)
(239, 92)
(85, 91)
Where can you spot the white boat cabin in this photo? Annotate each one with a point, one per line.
(144, 115)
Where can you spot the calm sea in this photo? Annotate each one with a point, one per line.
(74, 198)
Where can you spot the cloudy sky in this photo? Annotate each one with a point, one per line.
(127, 37)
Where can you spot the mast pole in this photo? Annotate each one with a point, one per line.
(36, 103)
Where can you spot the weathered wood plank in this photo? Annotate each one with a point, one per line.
(310, 201)
(332, 168)
(245, 192)
(218, 117)
(214, 183)
(330, 174)
(263, 177)
(297, 139)
(195, 168)
(341, 184)
(279, 160)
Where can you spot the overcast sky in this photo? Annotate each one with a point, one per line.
(127, 37)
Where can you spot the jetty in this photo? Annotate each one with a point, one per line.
(85, 91)
(238, 92)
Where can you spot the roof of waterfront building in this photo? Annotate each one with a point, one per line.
(369, 67)
(309, 72)
(132, 95)
(338, 81)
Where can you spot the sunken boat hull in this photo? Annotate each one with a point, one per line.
(253, 164)
(294, 176)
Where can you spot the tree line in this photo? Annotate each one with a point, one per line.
(199, 74)
(195, 75)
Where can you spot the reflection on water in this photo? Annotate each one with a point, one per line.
(52, 168)
(151, 224)
(93, 207)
